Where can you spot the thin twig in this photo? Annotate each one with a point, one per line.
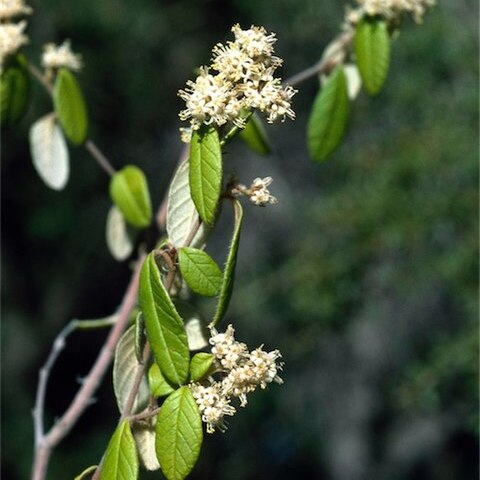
(58, 431)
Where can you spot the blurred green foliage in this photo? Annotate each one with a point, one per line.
(364, 275)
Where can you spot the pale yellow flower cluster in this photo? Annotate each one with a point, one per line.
(392, 9)
(239, 79)
(12, 35)
(57, 56)
(242, 372)
(258, 192)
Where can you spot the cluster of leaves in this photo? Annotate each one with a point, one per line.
(329, 116)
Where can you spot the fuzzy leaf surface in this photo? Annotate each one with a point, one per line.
(181, 211)
(328, 119)
(372, 48)
(70, 106)
(49, 152)
(205, 175)
(120, 461)
(158, 384)
(118, 240)
(129, 192)
(125, 366)
(165, 330)
(179, 434)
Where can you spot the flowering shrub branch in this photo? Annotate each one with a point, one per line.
(171, 373)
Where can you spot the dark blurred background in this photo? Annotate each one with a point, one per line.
(364, 275)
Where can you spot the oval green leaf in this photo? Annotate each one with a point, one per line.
(14, 90)
(205, 174)
(200, 271)
(119, 243)
(372, 48)
(129, 192)
(255, 136)
(229, 271)
(179, 434)
(200, 365)
(328, 119)
(70, 106)
(165, 330)
(159, 387)
(49, 152)
(181, 212)
(120, 461)
(125, 367)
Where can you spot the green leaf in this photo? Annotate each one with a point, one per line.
(14, 90)
(179, 434)
(125, 367)
(200, 271)
(205, 172)
(181, 212)
(140, 337)
(200, 365)
(120, 461)
(87, 472)
(165, 330)
(372, 48)
(229, 271)
(144, 435)
(129, 192)
(328, 118)
(158, 384)
(255, 136)
(49, 152)
(117, 236)
(70, 107)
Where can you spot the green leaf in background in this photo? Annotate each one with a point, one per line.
(200, 271)
(165, 330)
(49, 152)
(181, 211)
(255, 136)
(70, 107)
(205, 172)
(328, 118)
(229, 271)
(200, 365)
(372, 48)
(179, 434)
(86, 473)
(129, 192)
(159, 387)
(125, 367)
(144, 435)
(117, 236)
(14, 90)
(120, 461)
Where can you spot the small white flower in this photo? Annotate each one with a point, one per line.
(57, 56)
(394, 8)
(259, 194)
(11, 39)
(13, 8)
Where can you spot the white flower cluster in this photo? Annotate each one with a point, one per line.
(12, 35)
(56, 56)
(242, 372)
(239, 79)
(258, 192)
(391, 9)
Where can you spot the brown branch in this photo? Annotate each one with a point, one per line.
(46, 443)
